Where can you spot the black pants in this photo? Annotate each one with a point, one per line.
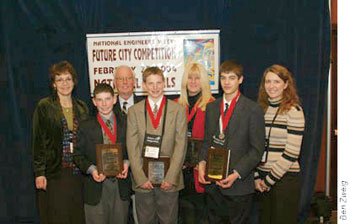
(228, 209)
(62, 202)
(281, 203)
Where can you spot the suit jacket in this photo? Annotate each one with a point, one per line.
(117, 110)
(245, 139)
(174, 142)
(89, 134)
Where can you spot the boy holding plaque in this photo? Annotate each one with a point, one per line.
(101, 154)
(156, 146)
(232, 148)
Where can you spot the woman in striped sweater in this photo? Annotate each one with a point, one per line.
(277, 176)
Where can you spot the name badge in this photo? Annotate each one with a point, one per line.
(264, 157)
(217, 142)
(151, 152)
(71, 147)
(152, 146)
(70, 140)
(189, 134)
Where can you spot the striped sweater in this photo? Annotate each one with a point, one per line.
(285, 143)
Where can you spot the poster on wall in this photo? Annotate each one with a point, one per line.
(169, 50)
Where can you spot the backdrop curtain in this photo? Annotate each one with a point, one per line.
(35, 34)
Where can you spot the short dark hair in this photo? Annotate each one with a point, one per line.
(60, 68)
(232, 66)
(103, 88)
(152, 71)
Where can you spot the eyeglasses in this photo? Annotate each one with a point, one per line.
(61, 80)
(120, 79)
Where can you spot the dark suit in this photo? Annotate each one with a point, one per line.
(89, 134)
(123, 117)
(245, 140)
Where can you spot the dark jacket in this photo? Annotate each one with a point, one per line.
(90, 134)
(47, 136)
(245, 135)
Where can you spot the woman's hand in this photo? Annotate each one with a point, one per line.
(261, 186)
(264, 186)
(258, 185)
(41, 183)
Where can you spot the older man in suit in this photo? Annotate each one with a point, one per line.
(124, 83)
(235, 123)
(156, 128)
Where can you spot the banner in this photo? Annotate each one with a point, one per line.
(169, 50)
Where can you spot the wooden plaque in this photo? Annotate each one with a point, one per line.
(217, 164)
(109, 159)
(156, 169)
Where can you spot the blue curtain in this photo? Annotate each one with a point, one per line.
(35, 34)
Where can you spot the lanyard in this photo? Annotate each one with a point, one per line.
(111, 136)
(163, 127)
(273, 121)
(193, 112)
(225, 118)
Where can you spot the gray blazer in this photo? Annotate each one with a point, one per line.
(245, 139)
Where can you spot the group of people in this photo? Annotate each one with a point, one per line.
(264, 140)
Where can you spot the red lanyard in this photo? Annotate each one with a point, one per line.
(193, 112)
(226, 118)
(155, 121)
(111, 136)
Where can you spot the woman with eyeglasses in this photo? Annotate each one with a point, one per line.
(278, 175)
(55, 121)
(195, 95)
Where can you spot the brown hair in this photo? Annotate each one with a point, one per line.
(290, 97)
(60, 68)
(103, 88)
(232, 66)
(152, 71)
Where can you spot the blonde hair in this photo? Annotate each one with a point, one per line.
(195, 68)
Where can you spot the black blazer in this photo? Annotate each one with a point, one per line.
(123, 117)
(245, 135)
(89, 134)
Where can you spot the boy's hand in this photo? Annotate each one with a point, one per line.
(41, 182)
(228, 181)
(147, 185)
(98, 177)
(124, 173)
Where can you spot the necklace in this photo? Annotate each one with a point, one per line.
(67, 109)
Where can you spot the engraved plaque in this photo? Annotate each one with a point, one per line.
(156, 169)
(217, 164)
(109, 159)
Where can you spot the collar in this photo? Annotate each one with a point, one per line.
(153, 103)
(130, 101)
(275, 101)
(110, 118)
